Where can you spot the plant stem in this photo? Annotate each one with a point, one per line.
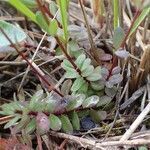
(93, 48)
(30, 64)
(116, 13)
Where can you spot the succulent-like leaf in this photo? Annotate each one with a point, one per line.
(53, 7)
(66, 65)
(90, 101)
(42, 122)
(104, 100)
(72, 74)
(53, 27)
(83, 88)
(79, 61)
(55, 122)
(41, 21)
(86, 64)
(12, 121)
(121, 53)
(77, 84)
(98, 85)
(76, 102)
(30, 126)
(88, 71)
(66, 86)
(111, 92)
(96, 75)
(66, 124)
(98, 116)
(118, 37)
(15, 34)
(75, 121)
(73, 46)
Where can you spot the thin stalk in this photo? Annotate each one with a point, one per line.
(93, 48)
(30, 64)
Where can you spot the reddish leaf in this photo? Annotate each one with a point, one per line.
(106, 57)
(122, 53)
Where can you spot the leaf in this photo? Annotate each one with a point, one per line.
(66, 86)
(73, 46)
(77, 84)
(104, 100)
(88, 71)
(55, 122)
(23, 9)
(79, 61)
(98, 116)
(63, 5)
(104, 73)
(72, 74)
(53, 27)
(30, 126)
(114, 79)
(138, 21)
(121, 53)
(142, 148)
(35, 99)
(30, 3)
(118, 37)
(53, 7)
(76, 102)
(96, 75)
(116, 70)
(41, 21)
(105, 57)
(15, 34)
(83, 88)
(98, 85)
(75, 121)
(86, 64)
(66, 124)
(90, 101)
(42, 122)
(12, 122)
(111, 92)
(66, 65)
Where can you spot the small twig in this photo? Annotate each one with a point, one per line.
(136, 123)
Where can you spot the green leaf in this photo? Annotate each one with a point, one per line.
(41, 21)
(88, 71)
(118, 37)
(63, 5)
(31, 126)
(23, 9)
(86, 64)
(66, 65)
(53, 7)
(83, 88)
(142, 148)
(97, 85)
(73, 46)
(35, 99)
(96, 75)
(138, 21)
(79, 61)
(66, 124)
(12, 122)
(90, 101)
(29, 3)
(76, 102)
(103, 100)
(53, 27)
(72, 74)
(98, 116)
(15, 34)
(77, 84)
(55, 122)
(75, 121)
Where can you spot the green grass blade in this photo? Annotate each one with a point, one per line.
(116, 13)
(138, 21)
(23, 9)
(63, 5)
